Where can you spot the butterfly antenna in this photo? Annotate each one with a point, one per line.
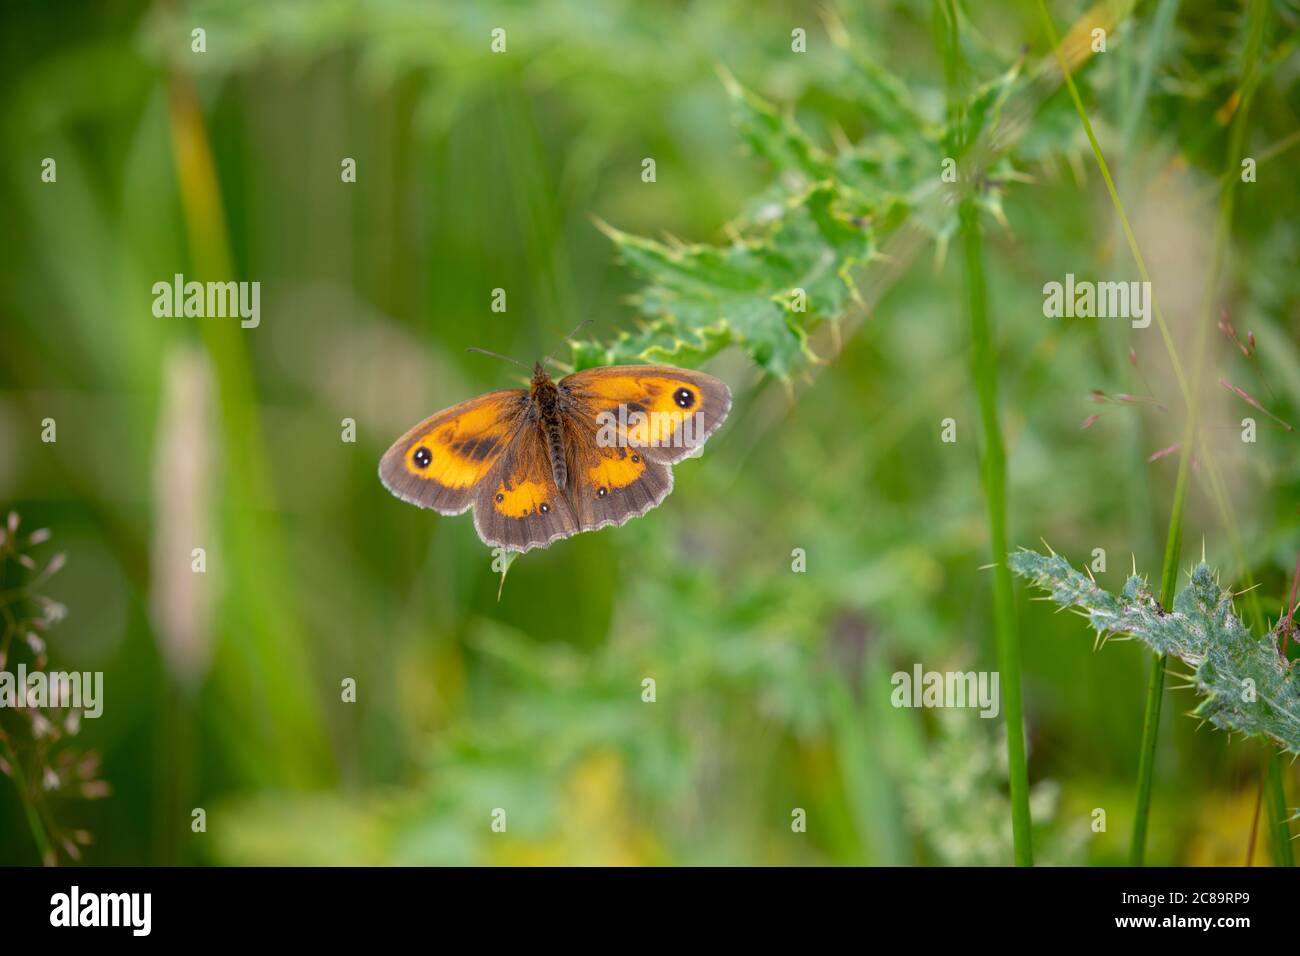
(504, 358)
(581, 325)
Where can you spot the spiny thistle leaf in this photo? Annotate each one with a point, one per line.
(773, 137)
(763, 294)
(1246, 684)
(789, 267)
(767, 291)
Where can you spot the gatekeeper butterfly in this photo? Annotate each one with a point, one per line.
(546, 462)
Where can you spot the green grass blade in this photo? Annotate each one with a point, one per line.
(994, 467)
(993, 462)
(1275, 802)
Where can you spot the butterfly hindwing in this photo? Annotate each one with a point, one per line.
(611, 485)
(518, 506)
(439, 463)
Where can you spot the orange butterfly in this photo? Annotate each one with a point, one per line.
(546, 462)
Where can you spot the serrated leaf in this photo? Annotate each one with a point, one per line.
(884, 98)
(790, 265)
(775, 138)
(701, 298)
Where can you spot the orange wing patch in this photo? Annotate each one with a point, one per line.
(649, 408)
(650, 393)
(459, 452)
(524, 497)
(667, 411)
(519, 506)
(652, 427)
(442, 461)
(617, 468)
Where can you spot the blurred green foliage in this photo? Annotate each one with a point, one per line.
(479, 171)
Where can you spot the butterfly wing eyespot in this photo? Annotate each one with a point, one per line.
(440, 462)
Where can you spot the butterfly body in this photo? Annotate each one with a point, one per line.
(558, 458)
(547, 401)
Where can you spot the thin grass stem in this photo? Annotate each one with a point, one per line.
(992, 460)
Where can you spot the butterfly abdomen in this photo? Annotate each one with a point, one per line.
(546, 399)
(555, 445)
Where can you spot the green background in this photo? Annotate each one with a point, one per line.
(479, 171)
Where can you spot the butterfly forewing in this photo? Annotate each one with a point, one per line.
(669, 412)
(440, 462)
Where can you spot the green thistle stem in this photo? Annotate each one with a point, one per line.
(993, 461)
(994, 467)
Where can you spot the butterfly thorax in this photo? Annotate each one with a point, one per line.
(545, 397)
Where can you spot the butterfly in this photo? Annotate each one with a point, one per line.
(543, 463)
